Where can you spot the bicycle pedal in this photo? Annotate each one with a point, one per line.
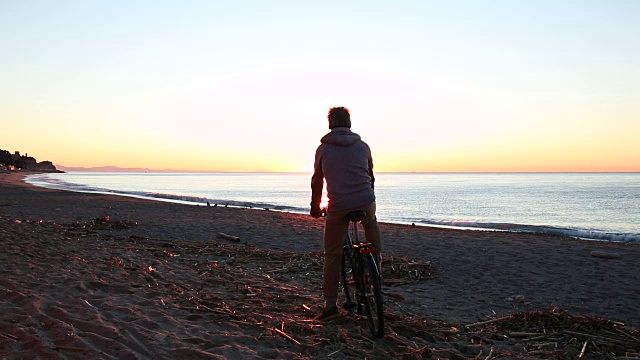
(349, 305)
(352, 308)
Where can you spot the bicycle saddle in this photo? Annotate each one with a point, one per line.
(357, 215)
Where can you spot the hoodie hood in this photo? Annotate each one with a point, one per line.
(340, 136)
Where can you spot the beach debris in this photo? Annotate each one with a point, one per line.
(397, 271)
(228, 237)
(584, 347)
(69, 348)
(605, 254)
(488, 321)
(14, 338)
(104, 223)
(516, 298)
(554, 333)
(164, 304)
(89, 304)
(119, 262)
(286, 335)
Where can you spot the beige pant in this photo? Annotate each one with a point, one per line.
(335, 231)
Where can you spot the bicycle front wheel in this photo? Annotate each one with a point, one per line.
(373, 296)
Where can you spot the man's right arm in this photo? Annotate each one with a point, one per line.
(317, 183)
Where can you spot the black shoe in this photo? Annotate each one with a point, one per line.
(328, 314)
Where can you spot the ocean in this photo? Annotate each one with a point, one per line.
(597, 206)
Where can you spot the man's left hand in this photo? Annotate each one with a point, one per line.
(316, 212)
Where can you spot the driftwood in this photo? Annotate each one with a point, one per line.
(286, 335)
(487, 321)
(14, 338)
(227, 237)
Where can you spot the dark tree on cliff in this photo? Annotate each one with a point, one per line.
(5, 157)
(20, 162)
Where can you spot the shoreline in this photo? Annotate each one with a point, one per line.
(550, 230)
(479, 275)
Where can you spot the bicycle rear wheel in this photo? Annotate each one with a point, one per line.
(349, 284)
(373, 296)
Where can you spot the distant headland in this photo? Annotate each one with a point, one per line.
(15, 161)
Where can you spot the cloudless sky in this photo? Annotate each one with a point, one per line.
(246, 85)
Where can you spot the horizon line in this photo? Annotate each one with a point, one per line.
(132, 170)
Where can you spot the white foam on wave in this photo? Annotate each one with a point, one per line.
(586, 234)
(594, 235)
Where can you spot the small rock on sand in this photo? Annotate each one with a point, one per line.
(605, 254)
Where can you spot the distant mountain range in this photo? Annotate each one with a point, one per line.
(108, 169)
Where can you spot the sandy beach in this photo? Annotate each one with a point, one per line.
(99, 276)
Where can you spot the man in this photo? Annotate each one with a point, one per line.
(344, 161)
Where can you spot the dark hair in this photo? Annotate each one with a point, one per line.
(339, 117)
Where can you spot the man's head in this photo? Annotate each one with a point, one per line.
(339, 117)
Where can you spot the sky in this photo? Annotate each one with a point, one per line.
(432, 86)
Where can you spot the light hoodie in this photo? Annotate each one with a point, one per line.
(344, 161)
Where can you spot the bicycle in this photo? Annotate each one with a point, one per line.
(361, 276)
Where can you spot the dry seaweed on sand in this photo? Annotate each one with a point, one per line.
(269, 281)
(272, 296)
(554, 333)
(103, 223)
(276, 294)
(396, 270)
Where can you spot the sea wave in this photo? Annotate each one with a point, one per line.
(588, 234)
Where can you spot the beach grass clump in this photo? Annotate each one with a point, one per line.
(104, 223)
